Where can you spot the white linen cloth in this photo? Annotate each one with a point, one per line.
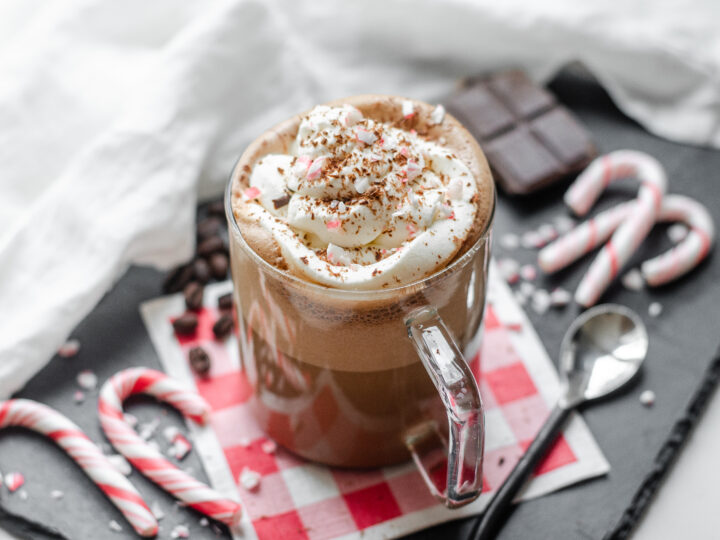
(116, 116)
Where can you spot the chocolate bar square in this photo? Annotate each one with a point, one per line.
(564, 136)
(480, 111)
(530, 140)
(519, 156)
(523, 97)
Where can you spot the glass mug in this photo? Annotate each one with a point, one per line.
(366, 378)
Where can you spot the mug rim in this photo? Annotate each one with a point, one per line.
(457, 264)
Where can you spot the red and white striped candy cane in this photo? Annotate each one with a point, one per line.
(582, 239)
(67, 435)
(657, 271)
(144, 457)
(633, 230)
(688, 253)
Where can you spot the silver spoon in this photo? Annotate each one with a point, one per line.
(601, 351)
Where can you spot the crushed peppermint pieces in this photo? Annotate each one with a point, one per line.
(528, 272)
(69, 349)
(249, 479)
(531, 239)
(677, 232)
(180, 447)
(180, 531)
(79, 397)
(647, 398)
(203, 522)
(120, 464)
(510, 241)
(148, 429)
(333, 224)
(408, 109)
(655, 309)
(437, 115)
(251, 193)
(540, 301)
(560, 297)
(56, 494)
(14, 481)
(115, 526)
(87, 380)
(633, 280)
(509, 270)
(269, 447)
(157, 510)
(130, 419)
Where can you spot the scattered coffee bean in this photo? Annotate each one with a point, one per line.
(225, 301)
(199, 360)
(185, 324)
(212, 245)
(201, 270)
(178, 278)
(193, 295)
(208, 227)
(216, 208)
(219, 265)
(223, 326)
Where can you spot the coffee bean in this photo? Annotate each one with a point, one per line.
(177, 278)
(214, 244)
(225, 301)
(216, 208)
(208, 227)
(199, 360)
(201, 270)
(223, 326)
(219, 265)
(185, 324)
(193, 292)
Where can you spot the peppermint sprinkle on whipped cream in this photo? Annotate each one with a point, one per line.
(360, 204)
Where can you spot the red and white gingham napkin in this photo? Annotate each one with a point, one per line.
(302, 500)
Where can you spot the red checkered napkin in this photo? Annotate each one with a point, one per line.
(302, 500)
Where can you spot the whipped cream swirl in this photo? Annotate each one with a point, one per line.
(359, 204)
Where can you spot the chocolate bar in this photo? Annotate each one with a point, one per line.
(530, 140)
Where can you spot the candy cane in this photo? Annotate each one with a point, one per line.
(633, 230)
(148, 460)
(657, 271)
(67, 435)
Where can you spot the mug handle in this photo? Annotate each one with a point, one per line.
(459, 392)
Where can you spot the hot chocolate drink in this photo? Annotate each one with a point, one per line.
(343, 220)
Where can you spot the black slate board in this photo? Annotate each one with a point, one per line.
(683, 341)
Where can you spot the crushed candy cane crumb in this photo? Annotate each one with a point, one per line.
(120, 463)
(408, 109)
(157, 510)
(655, 309)
(633, 280)
(528, 272)
(647, 398)
(509, 270)
(249, 479)
(437, 115)
(115, 526)
(180, 447)
(56, 494)
(269, 447)
(69, 349)
(14, 481)
(510, 241)
(87, 380)
(79, 397)
(677, 232)
(180, 531)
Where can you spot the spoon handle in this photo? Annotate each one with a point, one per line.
(501, 506)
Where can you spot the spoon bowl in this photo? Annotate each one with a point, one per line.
(601, 351)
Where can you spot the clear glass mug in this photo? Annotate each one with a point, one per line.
(366, 378)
